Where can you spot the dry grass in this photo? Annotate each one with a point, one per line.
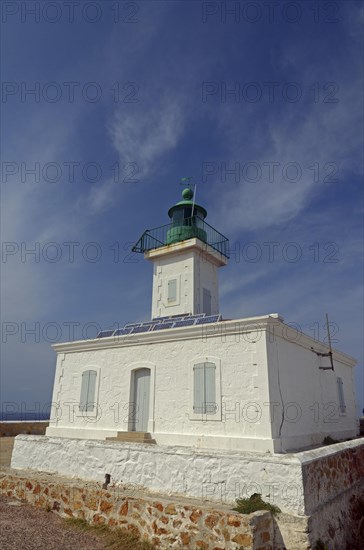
(115, 539)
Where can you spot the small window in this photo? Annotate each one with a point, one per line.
(340, 388)
(88, 389)
(204, 398)
(177, 217)
(206, 301)
(172, 290)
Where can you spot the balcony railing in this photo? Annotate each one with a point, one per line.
(188, 228)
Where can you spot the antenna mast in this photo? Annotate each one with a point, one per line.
(329, 340)
(194, 199)
(329, 353)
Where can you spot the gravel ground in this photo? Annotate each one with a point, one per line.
(23, 527)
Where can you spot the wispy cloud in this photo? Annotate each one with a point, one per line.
(168, 131)
(309, 133)
(146, 133)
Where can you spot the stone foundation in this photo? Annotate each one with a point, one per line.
(334, 489)
(320, 492)
(166, 523)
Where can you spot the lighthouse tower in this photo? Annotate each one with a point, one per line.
(186, 255)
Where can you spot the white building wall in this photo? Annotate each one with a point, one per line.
(206, 276)
(259, 378)
(309, 395)
(240, 423)
(176, 267)
(194, 265)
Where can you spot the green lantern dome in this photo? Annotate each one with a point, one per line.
(187, 194)
(184, 207)
(187, 219)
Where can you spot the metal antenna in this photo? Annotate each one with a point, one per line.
(329, 353)
(194, 199)
(187, 182)
(329, 340)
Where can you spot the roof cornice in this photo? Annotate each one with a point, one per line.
(194, 244)
(249, 325)
(193, 332)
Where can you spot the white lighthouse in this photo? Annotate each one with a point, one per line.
(189, 377)
(186, 255)
(189, 403)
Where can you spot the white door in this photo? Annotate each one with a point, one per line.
(141, 400)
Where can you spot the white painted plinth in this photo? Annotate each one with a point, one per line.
(220, 476)
(292, 481)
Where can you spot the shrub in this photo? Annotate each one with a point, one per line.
(328, 440)
(320, 545)
(253, 504)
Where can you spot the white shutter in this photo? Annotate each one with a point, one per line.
(198, 388)
(340, 388)
(204, 389)
(172, 290)
(210, 388)
(91, 390)
(84, 390)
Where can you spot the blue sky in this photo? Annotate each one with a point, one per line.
(149, 94)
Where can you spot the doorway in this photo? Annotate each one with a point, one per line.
(140, 406)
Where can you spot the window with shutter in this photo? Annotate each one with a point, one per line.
(206, 301)
(88, 388)
(340, 388)
(210, 388)
(198, 388)
(172, 290)
(204, 380)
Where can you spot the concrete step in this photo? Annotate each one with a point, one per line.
(133, 437)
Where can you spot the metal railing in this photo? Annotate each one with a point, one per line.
(189, 228)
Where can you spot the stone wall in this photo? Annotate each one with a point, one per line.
(334, 497)
(340, 523)
(326, 477)
(11, 429)
(320, 492)
(361, 424)
(166, 523)
(201, 474)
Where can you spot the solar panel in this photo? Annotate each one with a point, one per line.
(105, 333)
(179, 316)
(208, 319)
(122, 331)
(185, 322)
(161, 326)
(197, 316)
(144, 328)
(161, 323)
